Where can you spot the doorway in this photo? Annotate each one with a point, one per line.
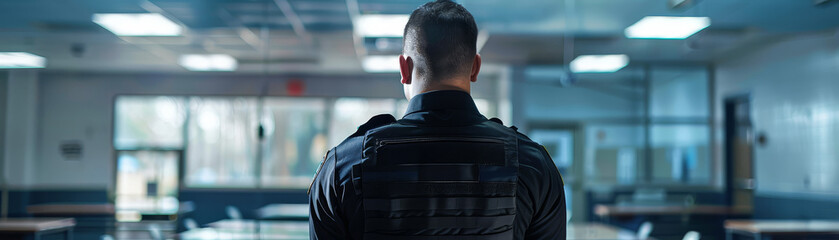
(147, 183)
(739, 146)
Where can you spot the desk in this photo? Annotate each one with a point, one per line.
(269, 225)
(632, 210)
(71, 209)
(769, 228)
(250, 229)
(299, 212)
(597, 231)
(37, 227)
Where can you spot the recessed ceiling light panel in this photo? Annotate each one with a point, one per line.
(667, 27)
(599, 63)
(21, 60)
(211, 62)
(138, 24)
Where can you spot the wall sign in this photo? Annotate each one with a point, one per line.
(71, 150)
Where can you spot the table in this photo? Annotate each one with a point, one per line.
(37, 227)
(281, 230)
(631, 210)
(250, 229)
(71, 209)
(299, 212)
(769, 228)
(597, 231)
(92, 219)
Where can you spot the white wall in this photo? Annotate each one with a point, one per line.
(794, 85)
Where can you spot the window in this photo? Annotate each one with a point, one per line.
(149, 122)
(294, 141)
(222, 145)
(147, 182)
(679, 92)
(349, 113)
(680, 153)
(238, 141)
(148, 137)
(670, 146)
(680, 143)
(615, 154)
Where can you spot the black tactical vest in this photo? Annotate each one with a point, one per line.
(438, 182)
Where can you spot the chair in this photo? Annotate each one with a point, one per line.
(645, 230)
(190, 224)
(567, 217)
(692, 235)
(233, 213)
(155, 233)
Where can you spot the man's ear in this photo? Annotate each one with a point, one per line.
(406, 68)
(476, 67)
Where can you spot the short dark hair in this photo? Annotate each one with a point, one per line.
(444, 35)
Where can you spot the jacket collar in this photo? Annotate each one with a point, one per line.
(449, 101)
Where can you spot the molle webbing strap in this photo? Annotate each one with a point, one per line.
(442, 151)
(396, 190)
(430, 223)
(506, 235)
(454, 203)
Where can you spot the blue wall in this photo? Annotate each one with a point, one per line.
(20, 199)
(795, 207)
(210, 204)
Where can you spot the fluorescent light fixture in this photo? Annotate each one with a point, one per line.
(378, 64)
(211, 62)
(380, 25)
(599, 63)
(667, 27)
(137, 24)
(21, 60)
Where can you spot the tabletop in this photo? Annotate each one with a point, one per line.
(619, 210)
(71, 209)
(35, 224)
(284, 211)
(250, 229)
(784, 226)
(271, 230)
(597, 231)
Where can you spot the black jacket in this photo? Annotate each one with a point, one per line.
(336, 209)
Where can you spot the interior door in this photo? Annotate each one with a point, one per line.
(739, 152)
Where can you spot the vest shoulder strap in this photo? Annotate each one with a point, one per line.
(374, 122)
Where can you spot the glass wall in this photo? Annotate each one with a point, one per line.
(679, 133)
(669, 141)
(615, 154)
